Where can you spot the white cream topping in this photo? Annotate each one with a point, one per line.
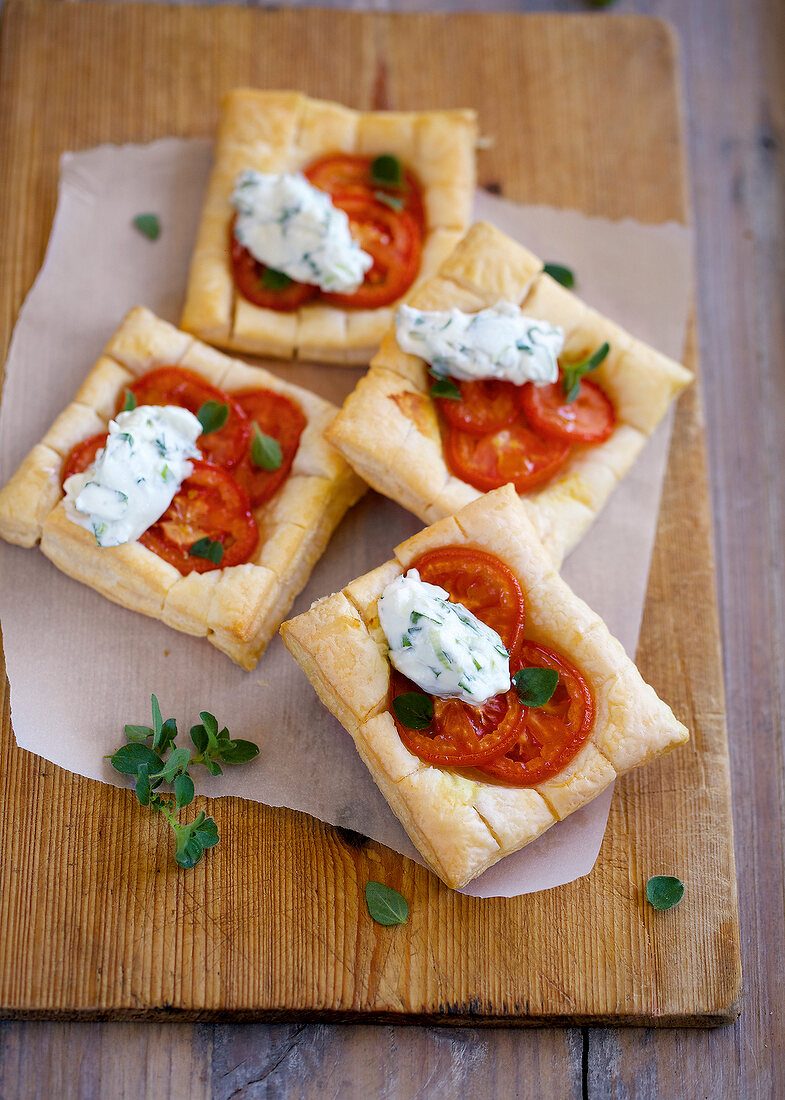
(500, 342)
(293, 227)
(136, 475)
(440, 645)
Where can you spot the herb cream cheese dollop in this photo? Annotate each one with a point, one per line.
(440, 645)
(499, 342)
(136, 475)
(291, 226)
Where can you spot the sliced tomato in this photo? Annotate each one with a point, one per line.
(277, 416)
(345, 175)
(178, 386)
(484, 407)
(590, 418)
(394, 240)
(482, 583)
(209, 505)
(514, 453)
(460, 735)
(549, 736)
(249, 278)
(83, 455)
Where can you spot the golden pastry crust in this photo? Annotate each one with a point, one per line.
(238, 608)
(284, 132)
(461, 821)
(406, 461)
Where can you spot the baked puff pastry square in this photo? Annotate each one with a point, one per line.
(390, 431)
(237, 608)
(461, 820)
(283, 132)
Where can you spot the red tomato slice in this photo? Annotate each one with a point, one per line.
(549, 736)
(209, 504)
(277, 416)
(82, 455)
(485, 406)
(515, 453)
(394, 241)
(248, 275)
(178, 386)
(482, 583)
(349, 175)
(590, 418)
(460, 735)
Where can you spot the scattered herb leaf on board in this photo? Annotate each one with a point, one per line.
(664, 891)
(151, 756)
(386, 905)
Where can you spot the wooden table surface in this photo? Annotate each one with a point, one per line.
(735, 104)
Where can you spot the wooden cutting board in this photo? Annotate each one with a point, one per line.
(97, 922)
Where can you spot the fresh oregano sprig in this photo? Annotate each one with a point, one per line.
(574, 372)
(153, 758)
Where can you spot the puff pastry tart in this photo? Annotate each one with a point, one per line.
(242, 533)
(434, 454)
(405, 180)
(473, 783)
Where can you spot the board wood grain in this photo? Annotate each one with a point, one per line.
(99, 924)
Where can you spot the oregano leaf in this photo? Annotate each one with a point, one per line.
(561, 274)
(212, 415)
(139, 734)
(445, 387)
(413, 710)
(535, 686)
(387, 170)
(266, 453)
(183, 790)
(385, 905)
(275, 280)
(664, 891)
(239, 752)
(129, 758)
(143, 785)
(574, 372)
(206, 548)
(149, 225)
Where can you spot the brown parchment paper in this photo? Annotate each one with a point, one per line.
(80, 667)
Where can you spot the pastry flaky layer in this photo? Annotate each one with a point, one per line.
(461, 821)
(237, 608)
(389, 430)
(284, 132)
